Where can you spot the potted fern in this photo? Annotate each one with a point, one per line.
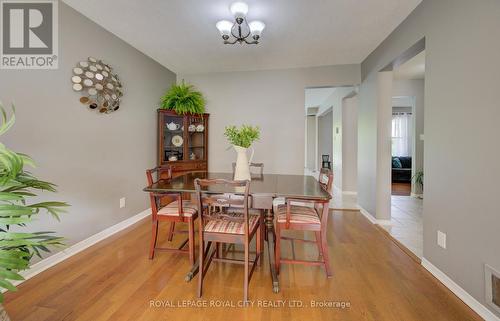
(183, 99)
(242, 139)
(16, 187)
(418, 178)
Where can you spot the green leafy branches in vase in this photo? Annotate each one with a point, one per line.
(17, 186)
(183, 99)
(243, 136)
(242, 139)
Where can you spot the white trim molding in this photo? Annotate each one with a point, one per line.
(468, 299)
(372, 219)
(80, 246)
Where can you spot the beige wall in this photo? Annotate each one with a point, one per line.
(334, 101)
(350, 144)
(461, 132)
(310, 148)
(94, 159)
(272, 99)
(325, 136)
(384, 144)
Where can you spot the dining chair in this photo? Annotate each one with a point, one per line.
(297, 216)
(227, 220)
(170, 207)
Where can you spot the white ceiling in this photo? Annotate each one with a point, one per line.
(181, 34)
(316, 96)
(412, 69)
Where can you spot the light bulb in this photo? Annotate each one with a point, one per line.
(256, 27)
(239, 9)
(224, 27)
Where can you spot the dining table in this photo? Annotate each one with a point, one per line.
(264, 188)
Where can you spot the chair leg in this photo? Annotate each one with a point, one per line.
(247, 272)
(277, 250)
(201, 265)
(262, 232)
(217, 250)
(154, 236)
(258, 247)
(171, 232)
(191, 242)
(318, 242)
(326, 258)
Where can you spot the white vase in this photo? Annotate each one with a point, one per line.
(242, 170)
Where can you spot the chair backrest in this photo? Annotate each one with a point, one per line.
(157, 171)
(260, 166)
(153, 176)
(326, 179)
(326, 183)
(218, 206)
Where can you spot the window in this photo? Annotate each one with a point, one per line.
(401, 134)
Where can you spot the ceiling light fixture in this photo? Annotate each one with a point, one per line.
(240, 29)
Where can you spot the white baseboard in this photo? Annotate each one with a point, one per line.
(475, 305)
(80, 246)
(372, 219)
(365, 213)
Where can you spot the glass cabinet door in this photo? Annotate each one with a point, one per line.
(173, 138)
(196, 138)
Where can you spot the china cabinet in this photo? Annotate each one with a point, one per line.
(182, 141)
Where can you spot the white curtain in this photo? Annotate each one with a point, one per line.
(401, 134)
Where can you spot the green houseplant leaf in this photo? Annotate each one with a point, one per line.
(183, 99)
(16, 187)
(243, 136)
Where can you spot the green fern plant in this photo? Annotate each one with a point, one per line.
(243, 136)
(419, 179)
(183, 99)
(16, 187)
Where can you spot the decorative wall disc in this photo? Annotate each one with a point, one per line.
(100, 88)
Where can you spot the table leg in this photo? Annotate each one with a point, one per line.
(270, 249)
(196, 266)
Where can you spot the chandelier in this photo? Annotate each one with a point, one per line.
(240, 30)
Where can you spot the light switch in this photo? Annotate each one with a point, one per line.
(441, 239)
(122, 202)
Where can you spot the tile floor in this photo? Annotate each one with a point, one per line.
(406, 218)
(407, 222)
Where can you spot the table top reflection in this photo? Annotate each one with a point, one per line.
(275, 185)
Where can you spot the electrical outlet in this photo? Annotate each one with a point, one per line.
(441, 239)
(122, 202)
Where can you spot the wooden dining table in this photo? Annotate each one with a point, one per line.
(263, 189)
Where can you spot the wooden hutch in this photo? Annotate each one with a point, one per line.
(182, 141)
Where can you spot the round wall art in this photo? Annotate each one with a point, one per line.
(100, 88)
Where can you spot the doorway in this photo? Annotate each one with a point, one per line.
(402, 143)
(407, 148)
(331, 139)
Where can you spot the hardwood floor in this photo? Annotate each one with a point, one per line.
(114, 280)
(401, 189)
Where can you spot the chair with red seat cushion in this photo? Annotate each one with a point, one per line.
(170, 207)
(227, 219)
(296, 215)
